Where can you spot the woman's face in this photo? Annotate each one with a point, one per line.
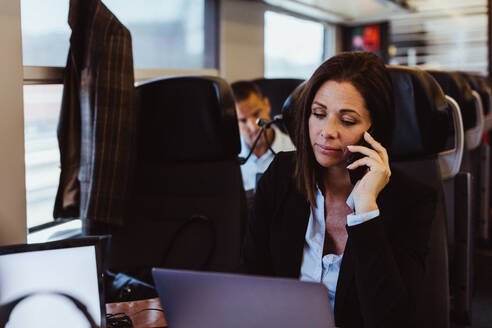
(339, 118)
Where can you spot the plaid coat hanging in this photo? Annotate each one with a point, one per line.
(98, 118)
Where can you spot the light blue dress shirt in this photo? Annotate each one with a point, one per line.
(315, 266)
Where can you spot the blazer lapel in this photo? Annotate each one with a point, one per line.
(346, 277)
(346, 281)
(289, 237)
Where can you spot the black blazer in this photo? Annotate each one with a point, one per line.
(383, 263)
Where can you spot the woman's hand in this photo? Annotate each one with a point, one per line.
(367, 189)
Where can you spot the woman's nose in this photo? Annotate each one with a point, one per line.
(329, 130)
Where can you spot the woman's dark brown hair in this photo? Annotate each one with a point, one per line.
(367, 73)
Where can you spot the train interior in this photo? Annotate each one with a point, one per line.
(185, 205)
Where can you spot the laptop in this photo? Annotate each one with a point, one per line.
(45, 270)
(199, 299)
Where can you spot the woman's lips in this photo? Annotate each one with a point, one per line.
(326, 150)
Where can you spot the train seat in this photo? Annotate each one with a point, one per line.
(481, 160)
(189, 205)
(478, 84)
(457, 87)
(461, 194)
(277, 90)
(420, 148)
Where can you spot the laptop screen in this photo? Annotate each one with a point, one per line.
(69, 267)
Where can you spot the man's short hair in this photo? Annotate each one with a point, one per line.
(243, 89)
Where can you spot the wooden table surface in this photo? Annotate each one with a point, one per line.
(140, 319)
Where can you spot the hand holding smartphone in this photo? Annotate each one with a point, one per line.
(358, 173)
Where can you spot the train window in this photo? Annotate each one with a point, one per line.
(293, 47)
(41, 107)
(45, 32)
(165, 34)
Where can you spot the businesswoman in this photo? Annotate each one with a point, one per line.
(366, 242)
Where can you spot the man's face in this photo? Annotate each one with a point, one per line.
(248, 111)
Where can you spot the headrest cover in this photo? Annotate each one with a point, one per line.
(277, 91)
(422, 118)
(456, 86)
(187, 118)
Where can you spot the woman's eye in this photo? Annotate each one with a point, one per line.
(318, 115)
(348, 123)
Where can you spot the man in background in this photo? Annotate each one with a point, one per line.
(250, 106)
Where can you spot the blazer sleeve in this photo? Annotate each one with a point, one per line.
(256, 256)
(389, 258)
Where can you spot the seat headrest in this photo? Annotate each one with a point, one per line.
(187, 118)
(289, 109)
(277, 90)
(422, 120)
(457, 87)
(478, 84)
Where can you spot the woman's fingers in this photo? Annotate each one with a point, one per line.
(377, 152)
(377, 175)
(376, 146)
(376, 169)
(367, 161)
(364, 150)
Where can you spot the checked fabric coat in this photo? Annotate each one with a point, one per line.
(97, 125)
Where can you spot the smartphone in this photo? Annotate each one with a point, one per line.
(358, 173)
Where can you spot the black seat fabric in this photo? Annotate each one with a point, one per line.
(422, 124)
(480, 166)
(457, 87)
(478, 84)
(189, 205)
(201, 111)
(289, 108)
(422, 121)
(277, 91)
(461, 195)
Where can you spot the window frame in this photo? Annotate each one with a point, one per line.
(42, 75)
(329, 31)
(329, 27)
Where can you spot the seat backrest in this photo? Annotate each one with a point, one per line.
(479, 84)
(421, 129)
(289, 109)
(277, 91)
(187, 118)
(456, 86)
(461, 195)
(422, 121)
(189, 204)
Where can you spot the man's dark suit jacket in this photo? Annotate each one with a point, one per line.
(97, 126)
(383, 263)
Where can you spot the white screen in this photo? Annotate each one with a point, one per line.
(72, 271)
